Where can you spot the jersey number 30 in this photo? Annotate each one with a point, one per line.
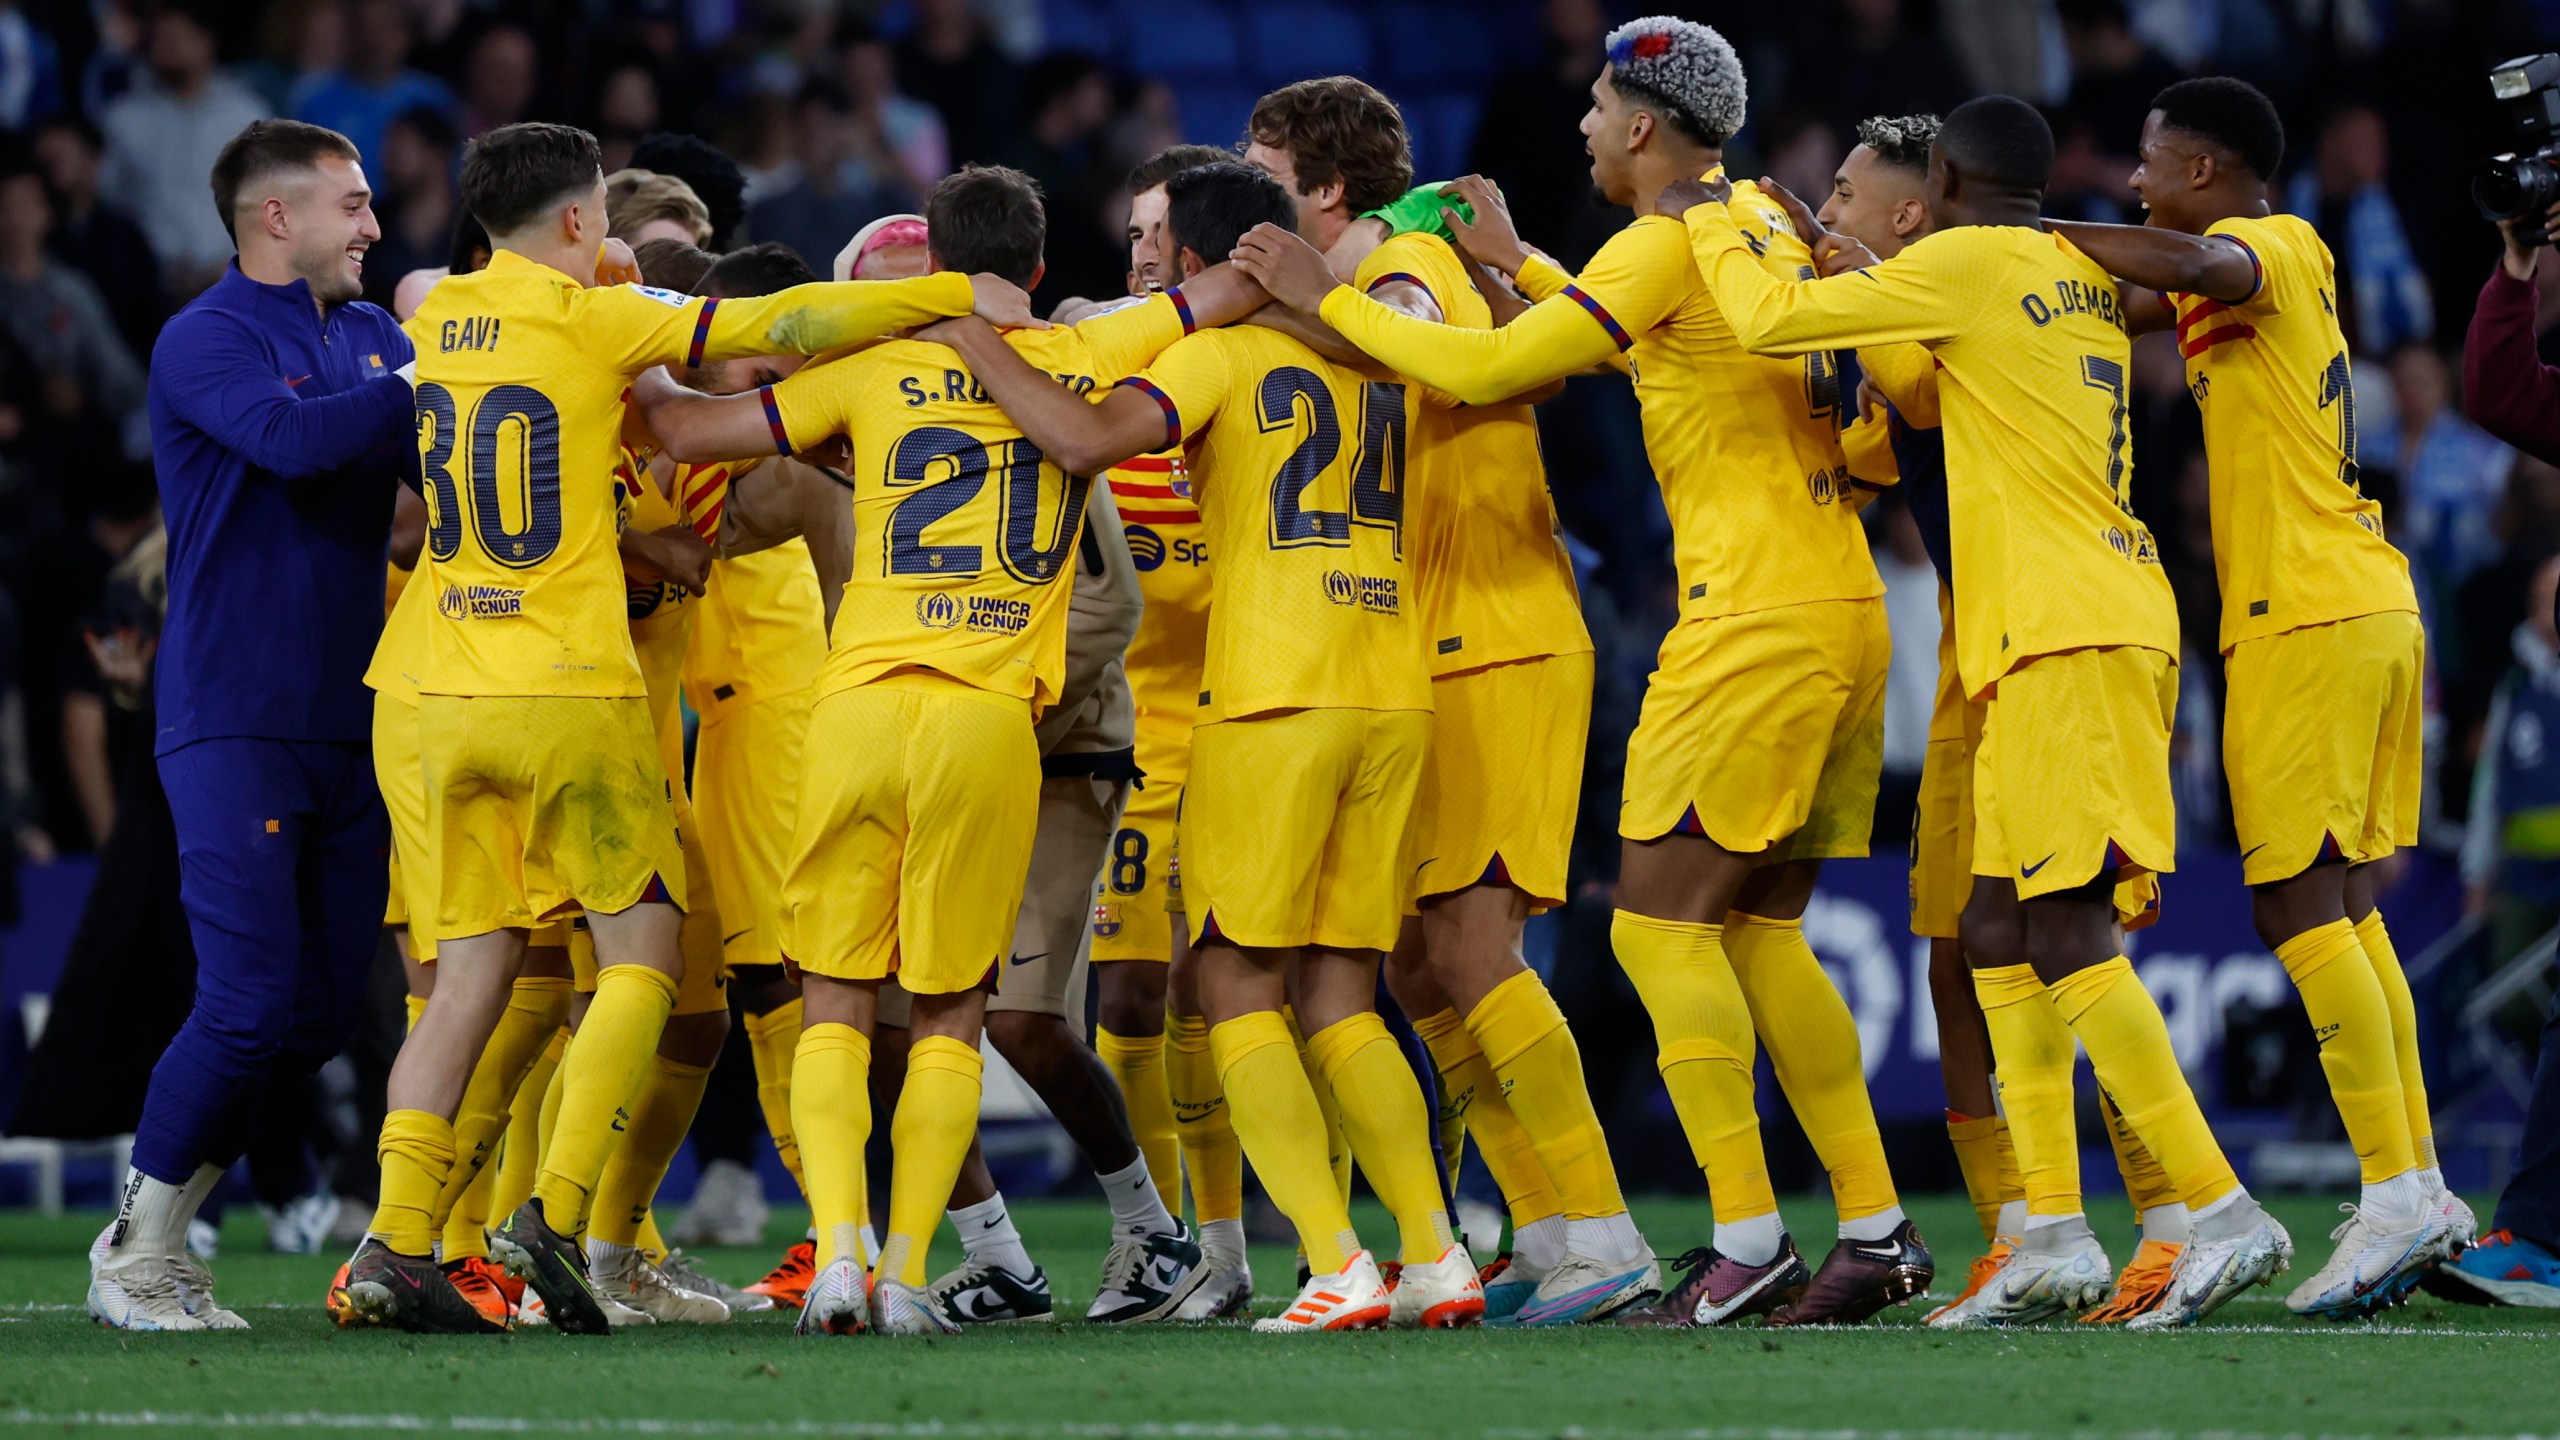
(515, 431)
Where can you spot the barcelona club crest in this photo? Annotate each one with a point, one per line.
(1106, 920)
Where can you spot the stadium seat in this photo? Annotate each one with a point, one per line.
(1423, 44)
(1215, 114)
(1076, 25)
(1292, 41)
(1168, 41)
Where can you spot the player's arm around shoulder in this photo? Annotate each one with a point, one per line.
(1084, 437)
(692, 427)
(2216, 265)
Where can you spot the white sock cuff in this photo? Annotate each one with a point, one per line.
(1868, 1229)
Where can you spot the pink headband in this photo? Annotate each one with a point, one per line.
(885, 232)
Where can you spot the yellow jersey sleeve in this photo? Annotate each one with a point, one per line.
(639, 327)
(1126, 340)
(1192, 382)
(1492, 576)
(1924, 294)
(2296, 541)
(1908, 376)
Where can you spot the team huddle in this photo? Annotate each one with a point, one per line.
(1286, 707)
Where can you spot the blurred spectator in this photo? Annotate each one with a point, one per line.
(841, 188)
(419, 201)
(626, 109)
(2451, 472)
(1801, 151)
(95, 240)
(359, 99)
(909, 128)
(715, 179)
(643, 205)
(1530, 142)
(2511, 845)
(2383, 301)
(299, 42)
(92, 387)
(498, 81)
(1067, 98)
(1874, 61)
(30, 70)
(2114, 76)
(2006, 46)
(949, 62)
(162, 138)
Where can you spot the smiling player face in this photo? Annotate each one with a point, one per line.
(330, 208)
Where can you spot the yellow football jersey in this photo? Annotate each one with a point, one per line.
(400, 655)
(1171, 550)
(1746, 449)
(965, 527)
(521, 379)
(1297, 465)
(762, 631)
(1494, 580)
(2029, 336)
(661, 615)
(2295, 539)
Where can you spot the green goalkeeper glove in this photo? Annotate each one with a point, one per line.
(1418, 210)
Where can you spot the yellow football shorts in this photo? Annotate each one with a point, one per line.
(2072, 777)
(1294, 827)
(540, 803)
(704, 985)
(746, 793)
(403, 781)
(1128, 907)
(2323, 739)
(1942, 826)
(1504, 778)
(1764, 732)
(919, 800)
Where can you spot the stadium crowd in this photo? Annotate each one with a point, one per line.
(838, 115)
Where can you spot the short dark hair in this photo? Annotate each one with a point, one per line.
(2229, 114)
(2000, 139)
(1900, 141)
(1209, 207)
(671, 264)
(1057, 73)
(433, 126)
(515, 172)
(1163, 165)
(470, 248)
(756, 270)
(987, 218)
(269, 147)
(1338, 127)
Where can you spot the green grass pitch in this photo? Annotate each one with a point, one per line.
(2429, 1369)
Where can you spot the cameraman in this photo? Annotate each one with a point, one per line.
(2509, 391)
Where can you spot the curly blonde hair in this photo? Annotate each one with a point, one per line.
(633, 198)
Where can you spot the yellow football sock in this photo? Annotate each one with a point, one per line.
(831, 1113)
(1389, 1126)
(2146, 1185)
(1212, 1160)
(772, 1039)
(1989, 1165)
(547, 1114)
(2376, 943)
(599, 1079)
(1470, 1093)
(417, 1007)
(1337, 1146)
(647, 1239)
(1276, 1119)
(1702, 1035)
(2342, 993)
(520, 1158)
(1527, 1044)
(2032, 1051)
(417, 1153)
(937, 1117)
(1136, 1063)
(535, 1007)
(1812, 1042)
(2119, 1025)
(660, 1115)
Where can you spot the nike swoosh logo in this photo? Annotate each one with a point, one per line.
(1027, 959)
(295, 382)
(2252, 850)
(732, 938)
(2028, 872)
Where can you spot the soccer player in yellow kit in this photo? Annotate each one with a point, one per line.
(2066, 629)
(541, 764)
(1150, 1029)
(1314, 713)
(1511, 705)
(2321, 643)
(1757, 753)
(921, 782)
